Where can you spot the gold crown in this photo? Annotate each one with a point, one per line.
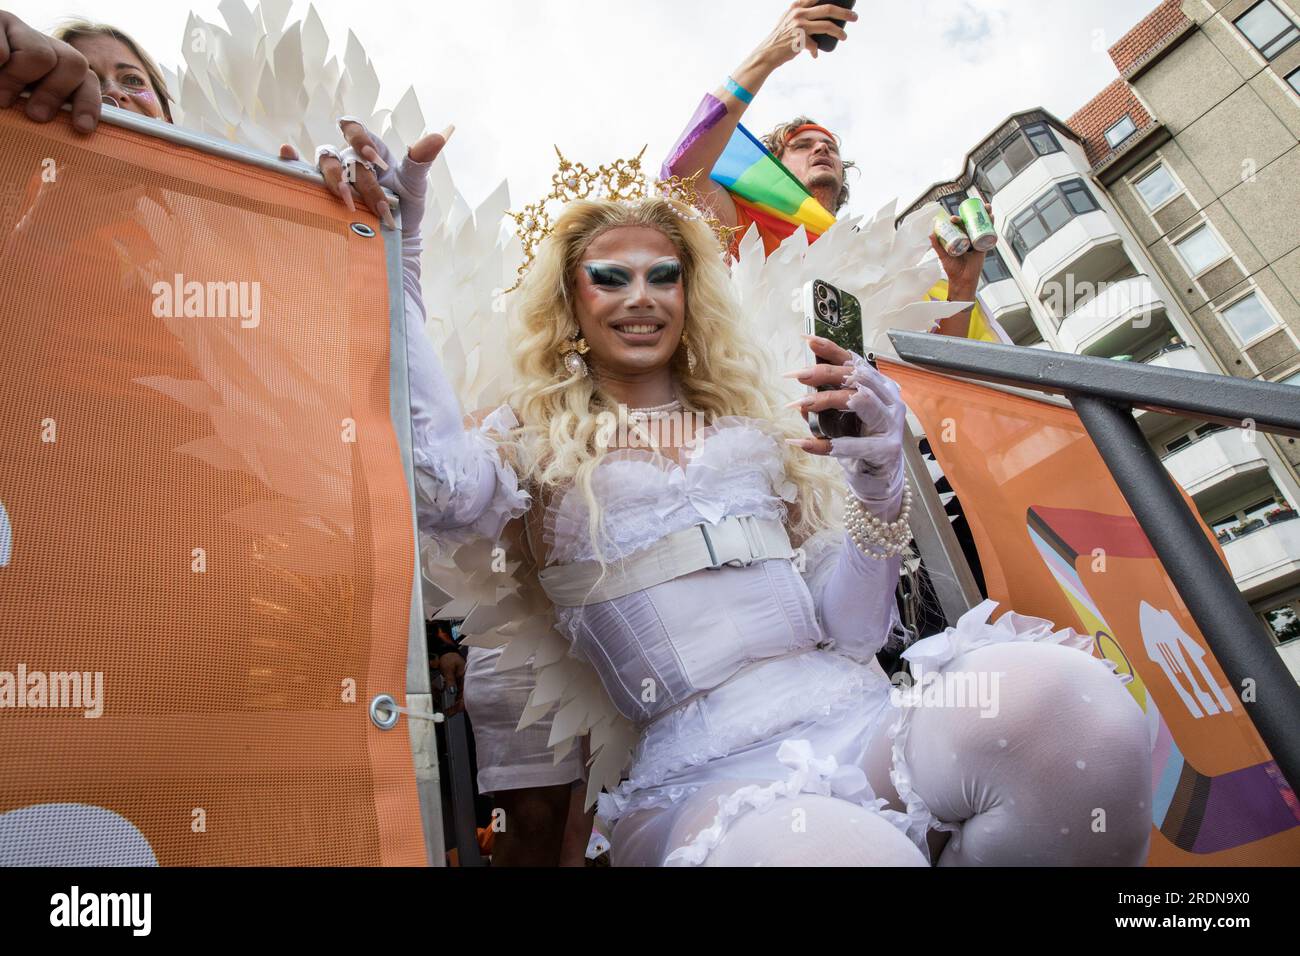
(621, 181)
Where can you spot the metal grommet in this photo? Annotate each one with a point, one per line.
(362, 230)
(383, 711)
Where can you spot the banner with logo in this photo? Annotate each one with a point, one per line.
(207, 548)
(1057, 540)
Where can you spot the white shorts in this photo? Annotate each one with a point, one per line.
(510, 759)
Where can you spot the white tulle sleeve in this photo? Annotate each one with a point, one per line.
(852, 593)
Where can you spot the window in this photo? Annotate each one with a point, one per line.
(1156, 187)
(1007, 162)
(1292, 379)
(1121, 131)
(1199, 250)
(1267, 28)
(953, 202)
(995, 269)
(1225, 526)
(1284, 621)
(1077, 195)
(1013, 154)
(1041, 138)
(1047, 215)
(1182, 441)
(1259, 511)
(1294, 79)
(1248, 317)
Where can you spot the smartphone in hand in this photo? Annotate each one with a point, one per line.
(826, 42)
(833, 314)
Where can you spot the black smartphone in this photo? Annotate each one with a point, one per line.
(825, 42)
(834, 314)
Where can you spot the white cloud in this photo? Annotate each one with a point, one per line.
(601, 78)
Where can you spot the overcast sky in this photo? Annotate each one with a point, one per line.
(917, 84)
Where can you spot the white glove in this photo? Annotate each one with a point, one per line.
(873, 464)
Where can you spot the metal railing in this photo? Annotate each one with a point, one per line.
(1104, 394)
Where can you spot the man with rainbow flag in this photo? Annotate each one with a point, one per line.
(795, 175)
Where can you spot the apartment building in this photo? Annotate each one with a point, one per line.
(1161, 224)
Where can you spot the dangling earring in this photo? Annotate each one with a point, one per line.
(690, 354)
(573, 351)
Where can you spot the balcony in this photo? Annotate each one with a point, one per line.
(1088, 248)
(1213, 460)
(1033, 179)
(1181, 356)
(1120, 316)
(1264, 556)
(1002, 298)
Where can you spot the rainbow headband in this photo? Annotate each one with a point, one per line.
(810, 128)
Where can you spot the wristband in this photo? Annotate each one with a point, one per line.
(739, 92)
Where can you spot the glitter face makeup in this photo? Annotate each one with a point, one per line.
(610, 276)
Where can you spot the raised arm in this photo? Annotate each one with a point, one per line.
(719, 113)
(463, 488)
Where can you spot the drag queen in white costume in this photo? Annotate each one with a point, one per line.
(742, 671)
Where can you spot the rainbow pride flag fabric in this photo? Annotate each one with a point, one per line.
(767, 191)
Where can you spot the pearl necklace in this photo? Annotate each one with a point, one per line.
(876, 538)
(656, 411)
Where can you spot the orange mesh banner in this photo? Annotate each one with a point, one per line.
(206, 542)
(1057, 540)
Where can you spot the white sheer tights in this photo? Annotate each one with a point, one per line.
(1059, 775)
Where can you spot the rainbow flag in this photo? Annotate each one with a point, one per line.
(769, 192)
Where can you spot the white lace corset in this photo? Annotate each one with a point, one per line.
(658, 647)
(732, 467)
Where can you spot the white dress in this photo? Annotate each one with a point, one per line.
(720, 669)
(754, 687)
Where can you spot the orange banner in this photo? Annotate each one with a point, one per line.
(1057, 540)
(208, 545)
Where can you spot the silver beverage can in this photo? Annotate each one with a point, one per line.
(978, 225)
(950, 236)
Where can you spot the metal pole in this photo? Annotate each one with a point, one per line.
(419, 690)
(941, 553)
(1234, 634)
(461, 781)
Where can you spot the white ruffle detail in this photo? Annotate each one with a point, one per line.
(932, 655)
(445, 479)
(973, 630)
(810, 774)
(734, 466)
